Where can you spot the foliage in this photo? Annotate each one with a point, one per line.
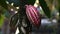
(42, 3)
(45, 8)
(1, 20)
(16, 2)
(3, 3)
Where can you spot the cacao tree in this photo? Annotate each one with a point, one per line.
(43, 4)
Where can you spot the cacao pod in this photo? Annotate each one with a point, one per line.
(33, 15)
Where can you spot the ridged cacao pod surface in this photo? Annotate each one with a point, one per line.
(33, 15)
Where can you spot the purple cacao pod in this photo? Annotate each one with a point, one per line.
(33, 15)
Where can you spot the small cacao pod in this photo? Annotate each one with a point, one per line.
(33, 15)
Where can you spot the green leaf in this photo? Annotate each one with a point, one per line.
(45, 8)
(3, 3)
(1, 20)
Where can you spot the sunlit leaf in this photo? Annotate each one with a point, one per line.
(1, 20)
